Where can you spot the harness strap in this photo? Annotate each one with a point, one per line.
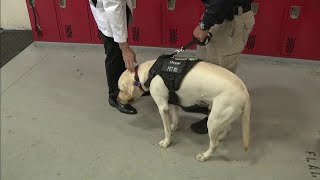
(173, 97)
(154, 70)
(136, 78)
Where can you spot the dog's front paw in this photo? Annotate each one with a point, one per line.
(164, 143)
(201, 158)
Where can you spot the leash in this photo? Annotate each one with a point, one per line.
(194, 41)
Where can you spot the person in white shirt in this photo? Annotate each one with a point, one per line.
(112, 18)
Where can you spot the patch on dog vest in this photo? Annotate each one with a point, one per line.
(172, 70)
(173, 66)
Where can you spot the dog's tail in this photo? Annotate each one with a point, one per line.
(246, 122)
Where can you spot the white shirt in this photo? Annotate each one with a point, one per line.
(110, 16)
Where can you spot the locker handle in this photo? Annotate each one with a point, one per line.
(63, 3)
(134, 4)
(295, 12)
(31, 3)
(171, 5)
(254, 8)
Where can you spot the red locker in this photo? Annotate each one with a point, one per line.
(180, 19)
(95, 37)
(301, 38)
(44, 13)
(74, 20)
(147, 23)
(267, 33)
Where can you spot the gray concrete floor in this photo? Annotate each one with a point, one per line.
(56, 124)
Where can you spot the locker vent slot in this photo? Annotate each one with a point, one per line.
(251, 42)
(136, 34)
(68, 29)
(173, 36)
(39, 33)
(290, 45)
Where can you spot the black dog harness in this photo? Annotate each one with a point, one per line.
(172, 70)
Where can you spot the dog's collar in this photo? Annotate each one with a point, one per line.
(136, 78)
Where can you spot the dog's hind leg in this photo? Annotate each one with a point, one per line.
(220, 117)
(174, 113)
(225, 132)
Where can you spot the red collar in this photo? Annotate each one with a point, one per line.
(136, 78)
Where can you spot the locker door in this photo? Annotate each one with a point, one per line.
(44, 13)
(74, 20)
(147, 22)
(180, 19)
(267, 33)
(301, 39)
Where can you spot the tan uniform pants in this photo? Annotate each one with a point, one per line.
(228, 41)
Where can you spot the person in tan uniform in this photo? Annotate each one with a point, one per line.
(230, 23)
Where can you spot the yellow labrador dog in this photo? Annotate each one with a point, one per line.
(225, 94)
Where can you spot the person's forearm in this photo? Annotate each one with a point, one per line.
(124, 46)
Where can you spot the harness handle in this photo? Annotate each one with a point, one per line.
(205, 42)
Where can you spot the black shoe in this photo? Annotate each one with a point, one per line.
(200, 127)
(124, 108)
(146, 93)
(196, 109)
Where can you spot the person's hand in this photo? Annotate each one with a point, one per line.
(129, 57)
(200, 34)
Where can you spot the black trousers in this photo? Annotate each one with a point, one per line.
(114, 63)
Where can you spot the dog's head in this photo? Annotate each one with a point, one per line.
(129, 91)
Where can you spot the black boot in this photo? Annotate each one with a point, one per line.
(196, 109)
(200, 127)
(147, 93)
(124, 108)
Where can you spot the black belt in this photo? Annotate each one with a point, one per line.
(244, 10)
